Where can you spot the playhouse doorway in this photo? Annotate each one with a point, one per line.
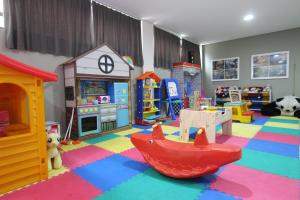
(14, 102)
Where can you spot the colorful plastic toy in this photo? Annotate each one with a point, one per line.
(241, 112)
(23, 151)
(184, 160)
(148, 99)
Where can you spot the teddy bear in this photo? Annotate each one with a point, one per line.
(288, 106)
(54, 157)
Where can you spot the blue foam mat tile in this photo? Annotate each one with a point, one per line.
(111, 171)
(146, 132)
(273, 147)
(210, 194)
(141, 127)
(259, 121)
(177, 133)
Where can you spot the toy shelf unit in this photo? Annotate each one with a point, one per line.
(257, 95)
(148, 99)
(97, 84)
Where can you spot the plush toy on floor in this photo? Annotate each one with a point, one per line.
(287, 106)
(54, 158)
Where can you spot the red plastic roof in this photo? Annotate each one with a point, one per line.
(149, 74)
(21, 67)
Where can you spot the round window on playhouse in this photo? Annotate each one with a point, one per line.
(106, 64)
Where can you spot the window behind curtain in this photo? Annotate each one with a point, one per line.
(1, 14)
(166, 48)
(190, 47)
(59, 27)
(119, 31)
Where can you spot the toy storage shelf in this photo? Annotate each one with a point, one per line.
(151, 100)
(148, 98)
(258, 99)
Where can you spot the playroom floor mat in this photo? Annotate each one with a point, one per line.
(110, 168)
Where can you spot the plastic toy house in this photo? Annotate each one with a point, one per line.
(23, 153)
(97, 86)
(148, 98)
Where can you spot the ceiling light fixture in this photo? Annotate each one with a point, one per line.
(248, 17)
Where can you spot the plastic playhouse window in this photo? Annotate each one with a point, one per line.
(14, 100)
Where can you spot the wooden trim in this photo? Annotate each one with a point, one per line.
(92, 76)
(89, 51)
(129, 102)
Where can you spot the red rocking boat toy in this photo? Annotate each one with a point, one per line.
(184, 160)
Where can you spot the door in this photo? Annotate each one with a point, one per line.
(122, 117)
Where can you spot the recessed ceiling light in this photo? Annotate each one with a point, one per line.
(248, 17)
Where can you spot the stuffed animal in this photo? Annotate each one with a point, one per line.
(54, 158)
(288, 106)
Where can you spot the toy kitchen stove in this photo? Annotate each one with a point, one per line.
(93, 119)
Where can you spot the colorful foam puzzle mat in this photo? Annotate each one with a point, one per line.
(110, 167)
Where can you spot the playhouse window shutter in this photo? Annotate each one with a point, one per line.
(166, 48)
(59, 27)
(119, 31)
(189, 46)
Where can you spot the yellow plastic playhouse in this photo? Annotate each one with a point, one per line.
(23, 150)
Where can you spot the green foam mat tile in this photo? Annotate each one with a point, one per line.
(101, 138)
(271, 163)
(152, 185)
(282, 125)
(289, 121)
(277, 130)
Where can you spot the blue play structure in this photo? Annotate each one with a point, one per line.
(173, 97)
(148, 99)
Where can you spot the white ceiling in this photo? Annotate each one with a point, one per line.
(207, 21)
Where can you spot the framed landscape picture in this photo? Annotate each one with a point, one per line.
(270, 65)
(225, 69)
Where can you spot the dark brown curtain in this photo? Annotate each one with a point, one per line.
(166, 48)
(59, 27)
(187, 47)
(119, 31)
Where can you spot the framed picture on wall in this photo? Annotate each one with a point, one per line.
(226, 69)
(270, 65)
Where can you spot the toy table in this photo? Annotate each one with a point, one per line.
(207, 119)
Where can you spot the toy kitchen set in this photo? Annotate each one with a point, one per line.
(97, 86)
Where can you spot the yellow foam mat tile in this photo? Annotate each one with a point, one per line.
(116, 145)
(56, 172)
(282, 125)
(245, 130)
(285, 117)
(129, 131)
(168, 129)
(71, 146)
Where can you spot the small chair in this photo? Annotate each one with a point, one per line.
(235, 96)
